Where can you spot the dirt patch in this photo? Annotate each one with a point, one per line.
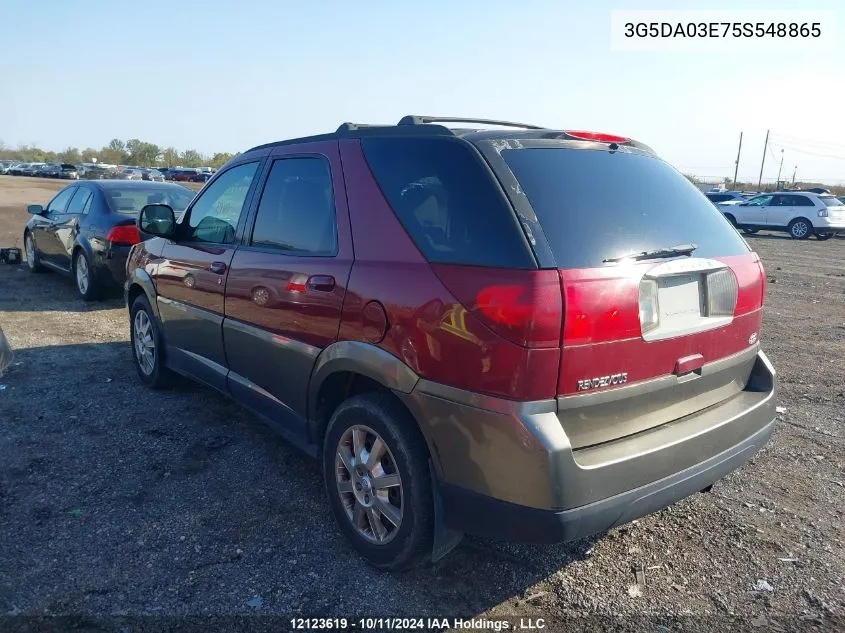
(119, 501)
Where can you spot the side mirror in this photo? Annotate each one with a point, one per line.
(35, 209)
(158, 220)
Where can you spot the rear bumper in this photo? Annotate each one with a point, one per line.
(486, 516)
(831, 224)
(508, 470)
(111, 265)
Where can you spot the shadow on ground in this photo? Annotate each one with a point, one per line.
(116, 499)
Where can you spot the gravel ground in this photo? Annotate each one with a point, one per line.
(143, 507)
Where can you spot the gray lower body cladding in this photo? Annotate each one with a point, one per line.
(509, 469)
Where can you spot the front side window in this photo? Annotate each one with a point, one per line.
(760, 201)
(297, 213)
(214, 216)
(59, 203)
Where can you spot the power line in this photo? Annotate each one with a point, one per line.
(803, 151)
(801, 141)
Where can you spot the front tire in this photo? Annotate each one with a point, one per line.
(33, 261)
(147, 345)
(375, 467)
(750, 231)
(86, 281)
(800, 229)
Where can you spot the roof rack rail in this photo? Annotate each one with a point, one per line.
(351, 127)
(413, 119)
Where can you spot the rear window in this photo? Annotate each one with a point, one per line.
(597, 204)
(831, 201)
(130, 201)
(447, 200)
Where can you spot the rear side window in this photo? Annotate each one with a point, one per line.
(795, 201)
(296, 213)
(831, 201)
(597, 204)
(79, 201)
(447, 200)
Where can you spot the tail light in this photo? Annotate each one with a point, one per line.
(124, 234)
(523, 306)
(823, 213)
(721, 291)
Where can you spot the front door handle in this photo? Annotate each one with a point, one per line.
(218, 268)
(324, 283)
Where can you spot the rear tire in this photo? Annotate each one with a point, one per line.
(821, 237)
(730, 219)
(86, 281)
(800, 229)
(147, 345)
(391, 527)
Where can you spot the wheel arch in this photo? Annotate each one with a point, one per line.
(347, 368)
(140, 282)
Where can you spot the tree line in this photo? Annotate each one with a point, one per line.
(118, 152)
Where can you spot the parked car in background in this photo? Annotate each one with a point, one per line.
(152, 175)
(165, 171)
(32, 169)
(130, 174)
(95, 172)
(183, 175)
(802, 214)
(17, 169)
(86, 230)
(50, 170)
(6, 165)
(841, 199)
(69, 172)
(724, 196)
(533, 376)
(203, 176)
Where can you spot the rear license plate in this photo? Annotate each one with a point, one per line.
(680, 300)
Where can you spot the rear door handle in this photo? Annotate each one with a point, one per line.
(324, 283)
(218, 268)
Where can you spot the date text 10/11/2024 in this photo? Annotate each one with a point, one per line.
(419, 624)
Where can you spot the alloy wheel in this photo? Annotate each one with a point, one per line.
(82, 279)
(30, 251)
(145, 347)
(369, 484)
(800, 229)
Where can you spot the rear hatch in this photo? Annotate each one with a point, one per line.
(662, 298)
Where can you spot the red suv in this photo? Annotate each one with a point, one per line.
(520, 333)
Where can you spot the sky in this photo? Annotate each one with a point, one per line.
(219, 75)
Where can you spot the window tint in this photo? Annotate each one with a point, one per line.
(296, 212)
(761, 201)
(448, 202)
(59, 203)
(130, 200)
(796, 201)
(832, 201)
(79, 201)
(214, 216)
(597, 204)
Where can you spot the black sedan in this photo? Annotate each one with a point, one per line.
(86, 231)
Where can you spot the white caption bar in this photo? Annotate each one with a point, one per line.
(722, 31)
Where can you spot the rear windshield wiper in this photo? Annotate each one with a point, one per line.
(671, 251)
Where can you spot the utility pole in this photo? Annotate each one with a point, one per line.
(736, 169)
(763, 162)
(781, 167)
(795, 171)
